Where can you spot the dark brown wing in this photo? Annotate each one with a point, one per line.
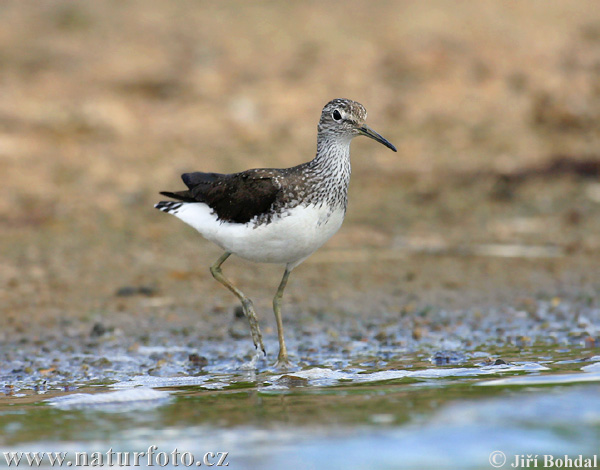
(236, 197)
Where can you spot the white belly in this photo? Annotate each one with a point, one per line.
(289, 238)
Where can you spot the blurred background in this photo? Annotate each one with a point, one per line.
(493, 195)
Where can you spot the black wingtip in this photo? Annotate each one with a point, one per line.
(184, 196)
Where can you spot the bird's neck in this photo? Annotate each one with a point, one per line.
(331, 167)
(333, 155)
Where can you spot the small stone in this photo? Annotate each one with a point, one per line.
(47, 371)
(198, 361)
(146, 290)
(101, 363)
(443, 358)
(238, 312)
(98, 330)
(381, 336)
(126, 291)
(292, 381)
(129, 291)
(417, 333)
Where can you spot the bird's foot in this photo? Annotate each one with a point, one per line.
(254, 327)
(283, 362)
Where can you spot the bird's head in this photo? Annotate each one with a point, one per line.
(345, 119)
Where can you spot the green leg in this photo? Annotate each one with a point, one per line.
(282, 359)
(247, 305)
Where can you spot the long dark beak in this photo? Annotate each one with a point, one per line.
(364, 130)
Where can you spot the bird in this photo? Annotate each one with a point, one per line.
(276, 215)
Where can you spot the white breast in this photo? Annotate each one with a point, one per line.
(288, 239)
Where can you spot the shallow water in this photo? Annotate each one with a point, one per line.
(522, 385)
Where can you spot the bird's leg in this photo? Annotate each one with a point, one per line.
(247, 305)
(282, 359)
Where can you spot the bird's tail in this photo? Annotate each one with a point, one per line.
(196, 214)
(170, 207)
(173, 206)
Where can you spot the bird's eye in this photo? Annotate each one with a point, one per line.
(336, 115)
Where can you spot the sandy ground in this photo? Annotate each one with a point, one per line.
(492, 202)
